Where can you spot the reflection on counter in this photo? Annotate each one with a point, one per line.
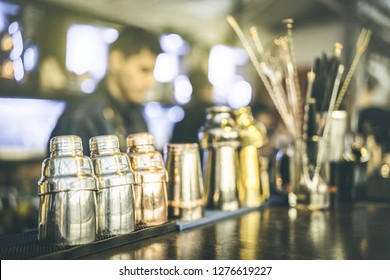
(276, 233)
(250, 226)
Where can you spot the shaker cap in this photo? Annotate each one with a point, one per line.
(66, 144)
(142, 138)
(243, 110)
(220, 128)
(100, 143)
(251, 131)
(219, 109)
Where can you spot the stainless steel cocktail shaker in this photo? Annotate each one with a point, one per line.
(150, 191)
(219, 141)
(115, 198)
(67, 191)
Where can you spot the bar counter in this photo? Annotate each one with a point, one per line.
(358, 231)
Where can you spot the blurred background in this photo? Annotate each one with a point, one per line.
(54, 50)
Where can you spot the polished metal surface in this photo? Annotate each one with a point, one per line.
(185, 186)
(356, 232)
(219, 141)
(115, 198)
(150, 190)
(67, 192)
(251, 191)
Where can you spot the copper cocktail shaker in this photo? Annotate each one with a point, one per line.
(150, 190)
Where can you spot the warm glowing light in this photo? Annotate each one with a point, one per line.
(7, 70)
(292, 214)
(247, 122)
(385, 171)
(6, 43)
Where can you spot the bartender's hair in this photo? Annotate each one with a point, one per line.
(133, 39)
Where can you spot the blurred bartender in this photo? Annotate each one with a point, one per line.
(116, 105)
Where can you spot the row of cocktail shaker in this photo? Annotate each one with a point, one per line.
(111, 192)
(108, 193)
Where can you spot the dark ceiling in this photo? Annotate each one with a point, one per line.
(271, 13)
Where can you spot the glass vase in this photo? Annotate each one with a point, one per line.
(309, 187)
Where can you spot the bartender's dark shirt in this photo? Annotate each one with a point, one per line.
(100, 114)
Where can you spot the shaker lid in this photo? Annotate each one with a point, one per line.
(220, 128)
(142, 138)
(243, 110)
(104, 142)
(66, 144)
(219, 109)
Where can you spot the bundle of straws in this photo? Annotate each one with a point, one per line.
(277, 68)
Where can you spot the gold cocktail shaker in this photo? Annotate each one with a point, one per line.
(251, 191)
(150, 190)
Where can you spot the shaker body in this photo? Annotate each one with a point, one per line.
(185, 186)
(253, 136)
(115, 199)
(219, 141)
(150, 190)
(67, 191)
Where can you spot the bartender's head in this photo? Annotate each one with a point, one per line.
(132, 59)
